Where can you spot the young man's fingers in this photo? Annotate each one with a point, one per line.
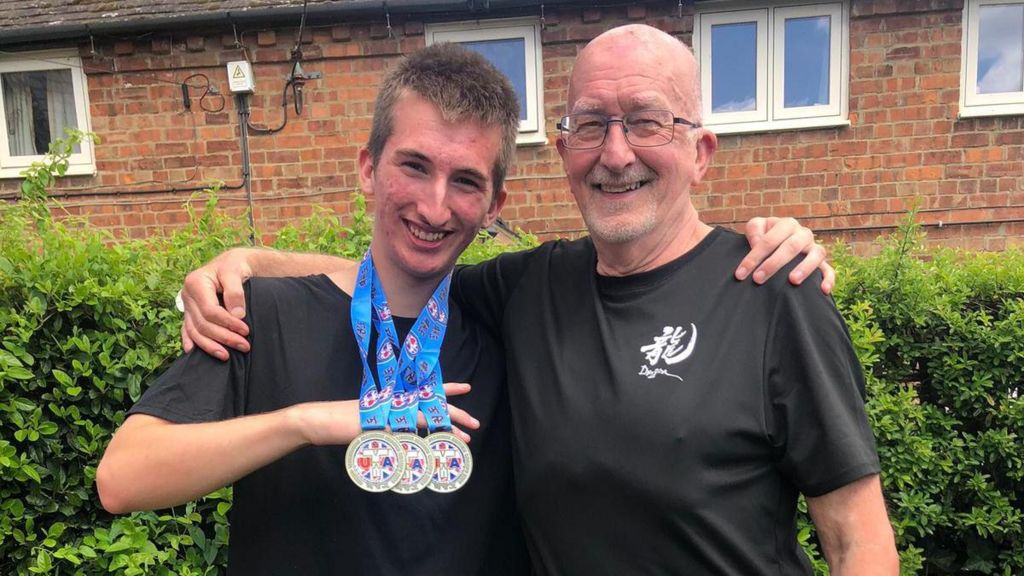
(465, 437)
(830, 277)
(783, 254)
(456, 388)
(761, 242)
(462, 418)
(422, 423)
(757, 227)
(814, 260)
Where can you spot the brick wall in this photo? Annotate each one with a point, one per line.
(905, 143)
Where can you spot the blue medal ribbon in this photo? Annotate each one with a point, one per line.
(413, 377)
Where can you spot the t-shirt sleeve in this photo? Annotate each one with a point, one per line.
(814, 388)
(483, 290)
(198, 388)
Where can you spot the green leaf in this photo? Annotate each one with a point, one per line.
(15, 508)
(18, 373)
(56, 530)
(30, 471)
(121, 545)
(86, 551)
(62, 377)
(223, 508)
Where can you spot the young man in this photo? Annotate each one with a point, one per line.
(274, 423)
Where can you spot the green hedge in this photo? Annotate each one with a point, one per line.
(86, 321)
(941, 337)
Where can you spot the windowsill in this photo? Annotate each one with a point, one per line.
(777, 126)
(73, 170)
(983, 111)
(531, 139)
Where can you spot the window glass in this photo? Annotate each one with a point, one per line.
(1001, 49)
(807, 61)
(509, 56)
(734, 67)
(38, 106)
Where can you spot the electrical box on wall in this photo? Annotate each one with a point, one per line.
(240, 79)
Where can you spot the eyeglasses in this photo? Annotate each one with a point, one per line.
(642, 128)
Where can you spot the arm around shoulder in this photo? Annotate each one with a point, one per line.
(210, 324)
(266, 262)
(854, 529)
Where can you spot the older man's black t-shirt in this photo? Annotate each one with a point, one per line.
(666, 422)
(302, 515)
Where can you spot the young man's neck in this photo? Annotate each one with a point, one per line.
(407, 295)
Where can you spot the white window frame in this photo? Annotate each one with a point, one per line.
(973, 104)
(80, 163)
(771, 113)
(760, 112)
(532, 129)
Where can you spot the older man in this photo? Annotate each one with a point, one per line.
(666, 417)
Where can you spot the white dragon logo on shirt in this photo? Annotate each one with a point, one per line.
(673, 346)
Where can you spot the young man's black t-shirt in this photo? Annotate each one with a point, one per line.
(302, 514)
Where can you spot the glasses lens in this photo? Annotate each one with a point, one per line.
(583, 130)
(649, 127)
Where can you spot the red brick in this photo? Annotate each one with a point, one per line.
(266, 38)
(969, 140)
(341, 33)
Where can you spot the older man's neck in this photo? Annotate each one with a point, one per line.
(653, 250)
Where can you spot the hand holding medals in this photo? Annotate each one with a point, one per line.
(400, 460)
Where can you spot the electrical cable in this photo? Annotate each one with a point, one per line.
(208, 90)
(302, 25)
(296, 81)
(284, 122)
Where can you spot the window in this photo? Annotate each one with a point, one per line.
(513, 46)
(43, 93)
(992, 81)
(773, 67)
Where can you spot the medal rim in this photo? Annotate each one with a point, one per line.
(350, 457)
(467, 460)
(428, 476)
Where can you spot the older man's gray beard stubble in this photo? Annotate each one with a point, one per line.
(613, 231)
